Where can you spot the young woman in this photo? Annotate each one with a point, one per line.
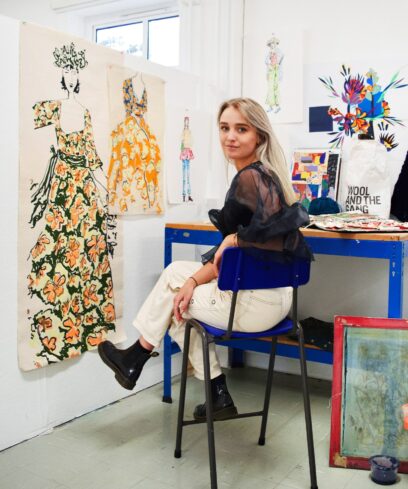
(259, 211)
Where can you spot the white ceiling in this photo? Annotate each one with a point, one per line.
(87, 8)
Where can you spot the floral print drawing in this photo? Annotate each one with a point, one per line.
(70, 267)
(135, 164)
(365, 110)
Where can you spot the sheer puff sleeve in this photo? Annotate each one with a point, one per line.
(255, 208)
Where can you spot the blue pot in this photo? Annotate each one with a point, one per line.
(384, 469)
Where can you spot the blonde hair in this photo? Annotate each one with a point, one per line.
(269, 152)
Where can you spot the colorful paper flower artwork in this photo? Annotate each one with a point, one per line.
(366, 107)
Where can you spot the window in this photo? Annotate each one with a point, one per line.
(155, 38)
(127, 38)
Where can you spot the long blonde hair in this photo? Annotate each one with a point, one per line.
(269, 152)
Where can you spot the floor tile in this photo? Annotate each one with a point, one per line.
(130, 444)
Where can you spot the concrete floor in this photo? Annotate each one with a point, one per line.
(130, 444)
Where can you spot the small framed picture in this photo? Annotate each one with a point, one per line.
(315, 173)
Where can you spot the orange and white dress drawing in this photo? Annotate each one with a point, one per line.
(135, 166)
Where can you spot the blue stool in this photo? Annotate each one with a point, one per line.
(242, 270)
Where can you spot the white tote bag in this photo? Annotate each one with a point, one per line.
(365, 180)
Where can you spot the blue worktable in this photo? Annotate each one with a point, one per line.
(387, 246)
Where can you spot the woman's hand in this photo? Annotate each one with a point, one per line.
(230, 240)
(182, 300)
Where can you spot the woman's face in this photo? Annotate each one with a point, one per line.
(70, 75)
(238, 138)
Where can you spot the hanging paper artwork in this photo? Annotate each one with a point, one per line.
(315, 174)
(71, 256)
(366, 109)
(137, 120)
(188, 155)
(274, 69)
(273, 73)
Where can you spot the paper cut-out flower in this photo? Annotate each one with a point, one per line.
(366, 106)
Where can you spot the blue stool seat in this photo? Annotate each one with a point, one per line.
(282, 328)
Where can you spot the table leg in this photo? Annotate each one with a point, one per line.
(167, 340)
(396, 281)
(167, 369)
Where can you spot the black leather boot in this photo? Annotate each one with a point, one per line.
(223, 405)
(127, 364)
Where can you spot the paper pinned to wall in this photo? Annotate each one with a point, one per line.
(188, 155)
(273, 73)
(137, 124)
(70, 249)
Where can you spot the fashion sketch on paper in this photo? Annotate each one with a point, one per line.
(273, 63)
(186, 155)
(135, 165)
(70, 268)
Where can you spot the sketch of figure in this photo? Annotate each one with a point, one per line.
(70, 268)
(133, 175)
(186, 155)
(273, 63)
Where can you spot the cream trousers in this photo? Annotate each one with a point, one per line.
(256, 310)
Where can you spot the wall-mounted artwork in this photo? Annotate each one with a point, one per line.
(363, 106)
(69, 246)
(188, 153)
(137, 122)
(273, 68)
(315, 173)
(369, 391)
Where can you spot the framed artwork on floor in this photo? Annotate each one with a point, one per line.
(369, 392)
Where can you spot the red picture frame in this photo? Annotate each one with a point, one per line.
(336, 457)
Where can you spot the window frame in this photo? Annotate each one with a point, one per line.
(135, 19)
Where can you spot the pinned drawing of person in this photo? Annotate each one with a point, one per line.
(70, 269)
(273, 63)
(135, 165)
(186, 155)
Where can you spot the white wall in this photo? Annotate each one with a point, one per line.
(39, 12)
(34, 402)
(212, 49)
(348, 32)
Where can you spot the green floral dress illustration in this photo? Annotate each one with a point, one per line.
(70, 270)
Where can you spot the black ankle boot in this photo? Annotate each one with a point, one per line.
(223, 405)
(127, 364)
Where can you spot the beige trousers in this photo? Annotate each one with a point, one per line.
(256, 310)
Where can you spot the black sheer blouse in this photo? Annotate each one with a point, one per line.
(255, 209)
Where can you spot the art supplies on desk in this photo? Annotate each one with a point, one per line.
(357, 222)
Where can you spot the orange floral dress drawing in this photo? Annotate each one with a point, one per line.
(135, 165)
(70, 270)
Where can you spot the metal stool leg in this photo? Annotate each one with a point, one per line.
(268, 388)
(308, 417)
(209, 410)
(183, 383)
